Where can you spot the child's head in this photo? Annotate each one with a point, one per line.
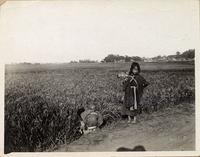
(135, 68)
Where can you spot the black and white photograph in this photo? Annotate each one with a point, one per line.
(99, 75)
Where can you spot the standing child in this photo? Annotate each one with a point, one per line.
(133, 86)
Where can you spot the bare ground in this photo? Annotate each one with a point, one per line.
(172, 129)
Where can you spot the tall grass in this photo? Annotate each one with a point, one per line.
(41, 106)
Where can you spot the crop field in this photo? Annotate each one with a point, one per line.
(41, 101)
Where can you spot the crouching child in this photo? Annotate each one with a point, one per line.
(90, 119)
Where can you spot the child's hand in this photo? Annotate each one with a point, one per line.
(131, 108)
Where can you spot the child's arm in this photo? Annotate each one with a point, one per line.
(144, 82)
(125, 83)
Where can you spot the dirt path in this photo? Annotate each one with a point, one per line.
(171, 129)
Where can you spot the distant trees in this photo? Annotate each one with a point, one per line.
(186, 55)
(111, 58)
(178, 56)
(157, 57)
(118, 58)
(189, 54)
(178, 53)
(87, 61)
(73, 62)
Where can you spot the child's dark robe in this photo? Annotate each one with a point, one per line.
(140, 83)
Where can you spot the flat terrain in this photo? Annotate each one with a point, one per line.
(152, 66)
(167, 130)
(42, 100)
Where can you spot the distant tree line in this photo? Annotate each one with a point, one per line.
(189, 54)
(87, 61)
(118, 58)
(186, 55)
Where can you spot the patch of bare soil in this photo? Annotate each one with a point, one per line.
(172, 129)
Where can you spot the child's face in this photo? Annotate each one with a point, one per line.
(135, 70)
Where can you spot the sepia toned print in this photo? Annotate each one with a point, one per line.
(81, 80)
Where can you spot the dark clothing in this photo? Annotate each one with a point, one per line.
(128, 87)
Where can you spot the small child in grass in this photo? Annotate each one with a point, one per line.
(90, 119)
(133, 87)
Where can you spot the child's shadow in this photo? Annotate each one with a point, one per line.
(136, 148)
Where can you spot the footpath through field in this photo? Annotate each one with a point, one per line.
(170, 129)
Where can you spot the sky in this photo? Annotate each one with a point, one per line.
(61, 31)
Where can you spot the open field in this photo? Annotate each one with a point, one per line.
(41, 101)
(119, 66)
